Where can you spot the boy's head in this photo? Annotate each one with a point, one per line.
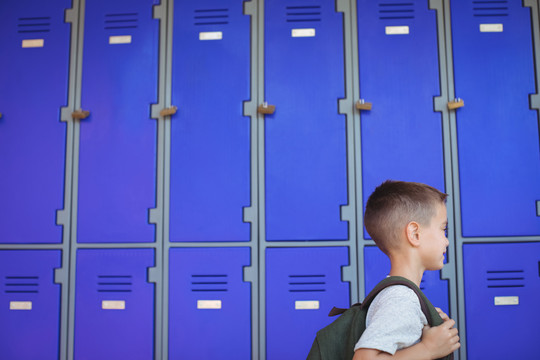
(393, 205)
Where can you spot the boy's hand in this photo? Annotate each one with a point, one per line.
(441, 340)
(442, 314)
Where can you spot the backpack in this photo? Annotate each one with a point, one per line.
(337, 340)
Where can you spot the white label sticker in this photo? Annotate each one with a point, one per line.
(20, 305)
(113, 304)
(506, 300)
(396, 30)
(120, 39)
(306, 305)
(303, 32)
(491, 27)
(33, 43)
(208, 304)
(211, 35)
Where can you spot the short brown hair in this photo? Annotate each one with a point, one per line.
(394, 204)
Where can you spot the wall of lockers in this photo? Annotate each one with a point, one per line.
(186, 179)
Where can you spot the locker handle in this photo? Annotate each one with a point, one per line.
(455, 104)
(80, 114)
(363, 105)
(168, 111)
(264, 108)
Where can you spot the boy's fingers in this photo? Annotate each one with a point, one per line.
(449, 323)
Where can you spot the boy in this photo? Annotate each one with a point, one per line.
(408, 222)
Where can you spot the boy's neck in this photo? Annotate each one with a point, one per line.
(407, 270)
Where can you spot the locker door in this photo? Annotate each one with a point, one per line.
(117, 161)
(305, 139)
(209, 304)
(302, 286)
(114, 304)
(497, 133)
(377, 267)
(399, 74)
(502, 288)
(210, 137)
(34, 42)
(29, 304)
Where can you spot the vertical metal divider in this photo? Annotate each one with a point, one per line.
(261, 238)
(361, 243)
(346, 107)
(157, 273)
(460, 320)
(440, 105)
(63, 274)
(166, 87)
(251, 214)
(75, 79)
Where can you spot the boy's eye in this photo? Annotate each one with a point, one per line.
(445, 231)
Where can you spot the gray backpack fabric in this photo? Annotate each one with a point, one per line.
(337, 340)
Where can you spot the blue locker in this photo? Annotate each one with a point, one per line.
(209, 304)
(29, 304)
(497, 132)
(117, 161)
(114, 304)
(302, 286)
(502, 288)
(210, 137)
(377, 267)
(305, 139)
(399, 74)
(34, 42)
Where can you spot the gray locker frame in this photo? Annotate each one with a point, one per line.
(255, 274)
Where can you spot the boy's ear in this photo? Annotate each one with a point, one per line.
(413, 233)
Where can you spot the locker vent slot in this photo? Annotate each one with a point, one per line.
(211, 17)
(34, 24)
(487, 8)
(309, 13)
(21, 285)
(307, 283)
(114, 283)
(505, 278)
(209, 283)
(121, 21)
(396, 10)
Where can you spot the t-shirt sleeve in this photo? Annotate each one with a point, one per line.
(394, 321)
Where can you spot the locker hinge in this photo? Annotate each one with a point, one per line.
(439, 103)
(344, 106)
(347, 213)
(159, 11)
(62, 217)
(250, 214)
(60, 276)
(154, 275)
(250, 275)
(250, 108)
(435, 4)
(65, 114)
(534, 100)
(347, 273)
(154, 216)
(71, 16)
(250, 8)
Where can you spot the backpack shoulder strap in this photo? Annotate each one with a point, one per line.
(398, 280)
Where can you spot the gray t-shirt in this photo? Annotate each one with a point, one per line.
(394, 321)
